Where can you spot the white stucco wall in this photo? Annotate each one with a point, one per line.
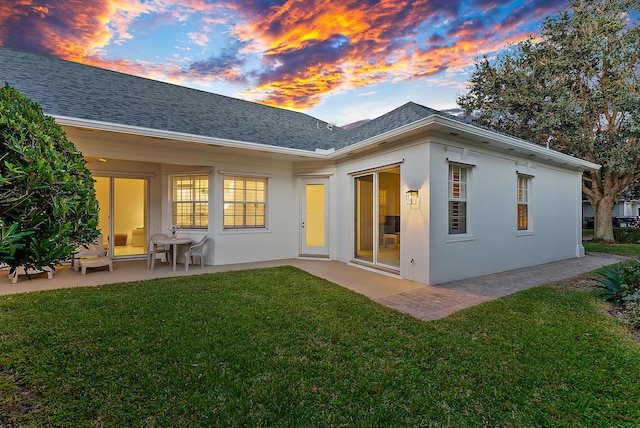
(274, 242)
(493, 242)
(412, 160)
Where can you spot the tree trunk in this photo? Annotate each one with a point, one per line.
(603, 222)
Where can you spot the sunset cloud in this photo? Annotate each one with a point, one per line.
(310, 51)
(291, 53)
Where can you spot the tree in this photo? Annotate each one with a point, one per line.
(48, 205)
(632, 193)
(576, 89)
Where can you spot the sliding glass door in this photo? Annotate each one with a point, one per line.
(123, 214)
(377, 218)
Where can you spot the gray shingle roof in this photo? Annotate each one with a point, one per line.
(403, 115)
(76, 90)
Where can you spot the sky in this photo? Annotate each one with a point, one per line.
(339, 61)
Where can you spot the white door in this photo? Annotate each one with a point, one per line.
(314, 232)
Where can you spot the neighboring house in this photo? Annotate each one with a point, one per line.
(620, 209)
(414, 193)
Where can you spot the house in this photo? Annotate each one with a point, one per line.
(622, 208)
(414, 193)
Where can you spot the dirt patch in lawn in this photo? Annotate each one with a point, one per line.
(17, 401)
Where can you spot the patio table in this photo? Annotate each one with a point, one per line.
(174, 242)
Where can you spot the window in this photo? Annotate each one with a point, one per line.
(457, 199)
(523, 201)
(190, 201)
(244, 202)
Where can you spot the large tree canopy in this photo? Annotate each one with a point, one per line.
(48, 205)
(575, 88)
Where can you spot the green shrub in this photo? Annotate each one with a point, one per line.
(627, 235)
(620, 282)
(48, 204)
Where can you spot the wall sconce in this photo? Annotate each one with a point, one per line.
(412, 197)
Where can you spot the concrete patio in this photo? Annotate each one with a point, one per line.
(421, 301)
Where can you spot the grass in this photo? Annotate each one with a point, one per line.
(279, 347)
(631, 250)
(587, 232)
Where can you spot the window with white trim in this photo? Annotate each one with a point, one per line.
(524, 185)
(458, 197)
(190, 201)
(245, 202)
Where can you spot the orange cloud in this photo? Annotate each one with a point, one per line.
(359, 43)
(363, 43)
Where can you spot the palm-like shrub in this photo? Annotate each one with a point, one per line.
(611, 283)
(620, 284)
(48, 205)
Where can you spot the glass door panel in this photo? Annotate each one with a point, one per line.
(314, 236)
(129, 214)
(389, 218)
(364, 231)
(103, 195)
(315, 219)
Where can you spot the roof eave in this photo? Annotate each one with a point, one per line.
(455, 127)
(514, 144)
(180, 136)
(430, 123)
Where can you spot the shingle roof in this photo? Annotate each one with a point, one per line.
(403, 115)
(76, 90)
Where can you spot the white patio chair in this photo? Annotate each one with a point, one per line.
(194, 251)
(92, 257)
(154, 249)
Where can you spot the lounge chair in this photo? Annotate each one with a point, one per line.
(92, 257)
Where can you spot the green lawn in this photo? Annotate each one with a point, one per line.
(279, 347)
(631, 250)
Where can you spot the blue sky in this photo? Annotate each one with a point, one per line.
(340, 61)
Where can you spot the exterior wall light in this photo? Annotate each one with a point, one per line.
(412, 197)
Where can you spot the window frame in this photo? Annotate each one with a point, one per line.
(203, 215)
(523, 202)
(462, 198)
(245, 202)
